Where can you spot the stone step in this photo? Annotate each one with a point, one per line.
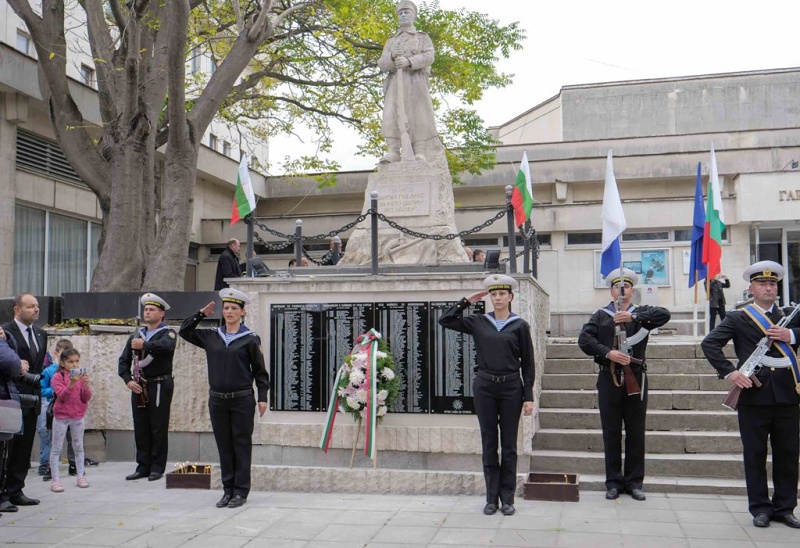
(705, 465)
(656, 382)
(675, 484)
(657, 399)
(657, 420)
(656, 349)
(654, 366)
(583, 439)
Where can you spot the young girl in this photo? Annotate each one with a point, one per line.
(73, 392)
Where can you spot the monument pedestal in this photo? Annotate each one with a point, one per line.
(416, 195)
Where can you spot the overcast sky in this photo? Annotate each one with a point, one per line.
(581, 42)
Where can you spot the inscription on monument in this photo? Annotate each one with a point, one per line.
(404, 199)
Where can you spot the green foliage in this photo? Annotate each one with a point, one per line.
(352, 388)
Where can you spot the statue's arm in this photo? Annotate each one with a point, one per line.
(424, 58)
(385, 62)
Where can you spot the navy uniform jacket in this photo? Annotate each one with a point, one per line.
(597, 335)
(230, 368)
(778, 386)
(498, 352)
(161, 347)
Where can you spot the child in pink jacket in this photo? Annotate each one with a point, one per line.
(73, 391)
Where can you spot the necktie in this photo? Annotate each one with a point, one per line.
(31, 343)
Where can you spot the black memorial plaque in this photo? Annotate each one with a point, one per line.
(406, 329)
(453, 363)
(299, 380)
(342, 323)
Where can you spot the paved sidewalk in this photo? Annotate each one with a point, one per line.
(113, 512)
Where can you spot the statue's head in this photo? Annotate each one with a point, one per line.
(406, 12)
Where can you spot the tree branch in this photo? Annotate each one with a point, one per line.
(178, 15)
(103, 52)
(26, 13)
(117, 13)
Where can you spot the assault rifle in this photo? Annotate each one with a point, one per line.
(141, 397)
(621, 344)
(753, 363)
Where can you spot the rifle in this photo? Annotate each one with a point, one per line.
(621, 344)
(406, 149)
(141, 397)
(753, 363)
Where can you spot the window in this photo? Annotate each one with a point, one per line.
(194, 63)
(543, 239)
(42, 156)
(87, 75)
(645, 236)
(213, 65)
(226, 148)
(23, 42)
(584, 238)
(685, 235)
(213, 140)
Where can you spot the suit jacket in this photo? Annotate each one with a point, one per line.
(35, 362)
(778, 386)
(227, 267)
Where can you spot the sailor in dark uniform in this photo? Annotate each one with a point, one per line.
(769, 412)
(620, 402)
(503, 385)
(155, 346)
(235, 361)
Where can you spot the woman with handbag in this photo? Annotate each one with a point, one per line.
(11, 367)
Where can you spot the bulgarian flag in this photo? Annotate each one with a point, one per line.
(522, 196)
(715, 222)
(244, 201)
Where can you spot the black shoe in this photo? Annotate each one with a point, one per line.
(48, 476)
(490, 509)
(223, 502)
(508, 509)
(6, 506)
(43, 468)
(789, 520)
(761, 520)
(637, 494)
(137, 475)
(154, 476)
(612, 493)
(22, 500)
(73, 470)
(236, 501)
(90, 462)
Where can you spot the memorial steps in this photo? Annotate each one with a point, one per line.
(693, 443)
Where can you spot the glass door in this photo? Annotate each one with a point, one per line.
(792, 278)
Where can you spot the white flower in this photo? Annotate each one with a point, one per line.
(387, 374)
(341, 392)
(382, 395)
(360, 361)
(382, 409)
(357, 377)
(342, 409)
(352, 403)
(361, 396)
(380, 354)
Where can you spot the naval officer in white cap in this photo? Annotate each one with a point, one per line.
(769, 412)
(151, 396)
(235, 362)
(620, 401)
(503, 385)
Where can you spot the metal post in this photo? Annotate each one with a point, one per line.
(298, 242)
(512, 233)
(534, 256)
(373, 196)
(526, 254)
(337, 249)
(249, 252)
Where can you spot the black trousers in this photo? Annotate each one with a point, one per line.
(781, 424)
(232, 421)
(712, 316)
(151, 427)
(499, 405)
(617, 408)
(19, 455)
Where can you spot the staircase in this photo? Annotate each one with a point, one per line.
(692, 442)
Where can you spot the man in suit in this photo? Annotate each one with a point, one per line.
(769, 412)
(31, 345)
(228, 264)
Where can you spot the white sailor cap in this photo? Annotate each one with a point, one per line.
(763, 271)
(622, 275)
(230, 295)
(155, 300)
(500, 281)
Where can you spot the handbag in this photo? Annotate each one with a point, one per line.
(10, 419)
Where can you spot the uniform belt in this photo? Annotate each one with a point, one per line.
(783, 361)
(162, 378)
(497, 378)
(230, 395)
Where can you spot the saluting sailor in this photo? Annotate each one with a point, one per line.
(235, 362)
(155, 346)
(770, 412)
(620, 401)
(503, 385)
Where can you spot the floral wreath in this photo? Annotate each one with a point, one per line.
(366, 386)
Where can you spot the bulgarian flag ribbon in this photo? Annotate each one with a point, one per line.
(369, 339)
(715, 222)
(522, 195)
(244, 200)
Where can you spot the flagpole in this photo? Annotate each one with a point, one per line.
(248, 262)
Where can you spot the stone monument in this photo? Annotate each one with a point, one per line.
(413, 181)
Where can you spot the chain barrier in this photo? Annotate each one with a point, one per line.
(438, 237)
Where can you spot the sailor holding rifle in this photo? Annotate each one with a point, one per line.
(768, 405)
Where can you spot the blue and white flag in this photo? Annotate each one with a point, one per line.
(613, 222)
